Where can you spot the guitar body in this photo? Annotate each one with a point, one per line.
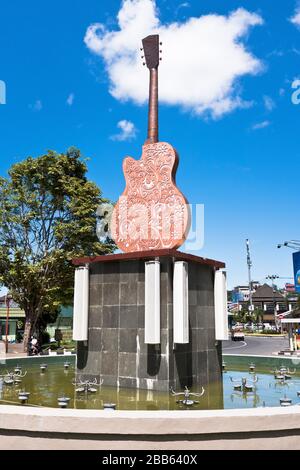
(152, 213)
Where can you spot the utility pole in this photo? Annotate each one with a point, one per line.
(249, 263)
(272, 277)
(8, 299)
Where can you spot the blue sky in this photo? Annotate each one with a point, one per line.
(243, 165)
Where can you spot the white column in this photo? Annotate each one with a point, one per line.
(81, 304)
(180, 303)
(290, 328)
(221, 313)
(152, 302)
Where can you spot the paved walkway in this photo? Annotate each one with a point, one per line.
(14, 350)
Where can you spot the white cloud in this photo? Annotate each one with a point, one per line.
(182, 5)
(261, 125)
(281, 92)
(70, 99)
(203, 57)
(37, 106)
(269, 103)
(127, 131)
(276, 53)
(296, 18)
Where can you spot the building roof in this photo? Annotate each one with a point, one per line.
(149, 255)
(265, 292)
(13, 313)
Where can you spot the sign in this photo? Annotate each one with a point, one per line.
(296, 262)
(237, 296)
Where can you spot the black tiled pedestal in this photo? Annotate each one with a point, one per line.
(116, 352)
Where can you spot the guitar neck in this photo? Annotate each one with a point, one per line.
(153, 108)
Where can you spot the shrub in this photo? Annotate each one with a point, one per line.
(45, 337)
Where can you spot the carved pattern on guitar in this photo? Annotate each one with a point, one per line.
(152, 213)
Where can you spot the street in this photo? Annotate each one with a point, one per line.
(255, 346)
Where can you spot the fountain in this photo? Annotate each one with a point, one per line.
(87, 386)
(63, 401)
(283, 373)
(12, 378)
(282, 382)
(8, 380)
(130, 307)
(239, 387)
(243, 384)
(187, 394)
(285, 401)
(109, 406)
(18, 370)
(150, 319)
(23, 397)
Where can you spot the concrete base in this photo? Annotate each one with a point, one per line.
(249, 429)
(116, 352)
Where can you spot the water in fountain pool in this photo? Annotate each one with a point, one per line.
(45, 389)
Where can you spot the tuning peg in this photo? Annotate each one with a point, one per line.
(142, 56)
(144, 63)
(141, 49)
(160, 58)
(160, 51)
(160, 43)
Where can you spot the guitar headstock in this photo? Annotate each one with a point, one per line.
(151, 50)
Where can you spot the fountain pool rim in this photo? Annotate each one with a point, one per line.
(40, 427)
(67, 429)
(191, 422)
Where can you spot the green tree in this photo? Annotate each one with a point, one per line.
(47, 217)
(257, 315)
(241, 316)
(244, 315)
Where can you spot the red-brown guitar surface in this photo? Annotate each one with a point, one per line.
(151, 213)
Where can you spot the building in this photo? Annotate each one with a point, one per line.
(264, 298)
(242, 293)
(269, 301)
(64, 323)
(16, 321)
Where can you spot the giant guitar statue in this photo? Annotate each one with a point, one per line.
(152, 213)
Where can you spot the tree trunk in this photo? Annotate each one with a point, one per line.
(27, 333)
